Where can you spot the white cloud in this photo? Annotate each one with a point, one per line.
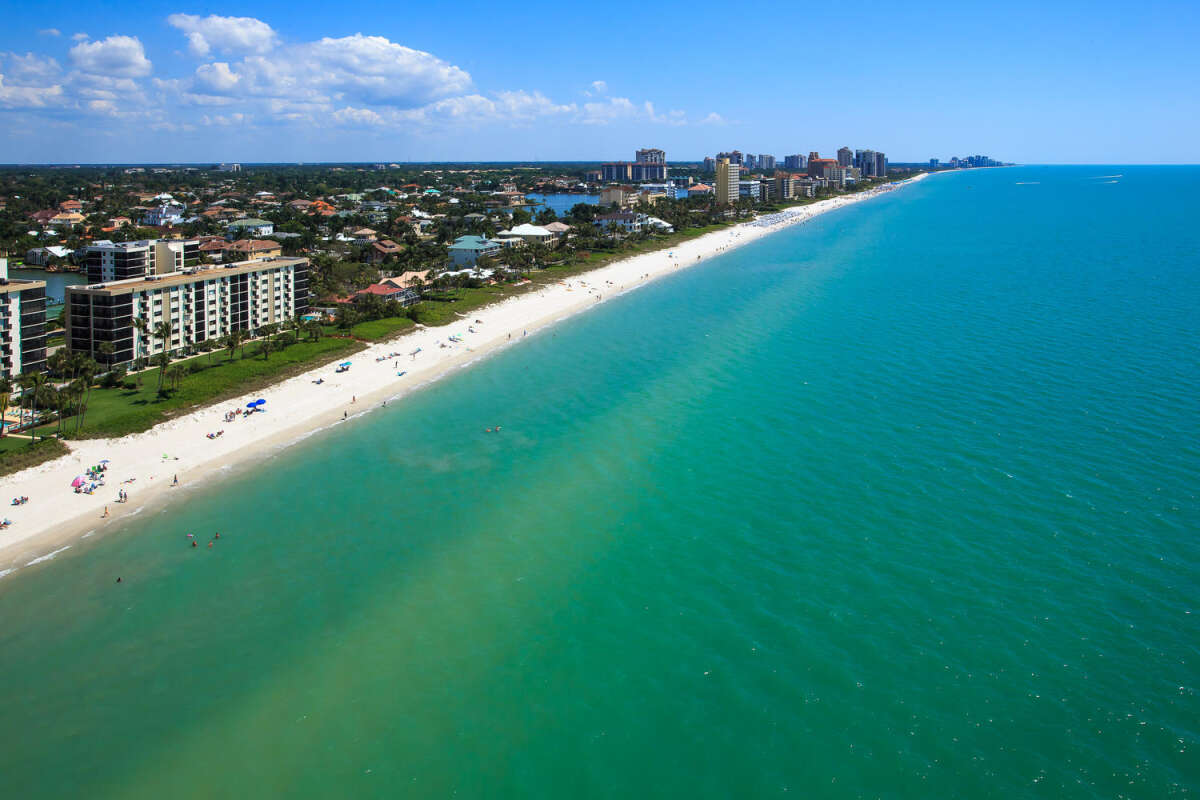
(713, 118)
(224, 120)
(29, 96)
(611, 110)
(357, 116)
(50, 32)
(596, 87)
(225, 34)
(79, 37)
(119, 56)
(31, 69)
(217, 77)
(351, 71)
(379, 70)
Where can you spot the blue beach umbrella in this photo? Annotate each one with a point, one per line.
(260, 402)
(249, 405)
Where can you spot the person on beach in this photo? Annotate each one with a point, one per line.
(175, 481)
(105, 514)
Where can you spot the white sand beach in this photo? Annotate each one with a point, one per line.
(145, 464)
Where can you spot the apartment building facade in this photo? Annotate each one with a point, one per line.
(22, 324)
(201, 304)
(119, 261)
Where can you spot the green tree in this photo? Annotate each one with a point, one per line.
(162, 332)
(6, 389)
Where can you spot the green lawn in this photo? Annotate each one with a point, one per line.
(379, 329)
(444, 308)
(18, 454)
(120, 411)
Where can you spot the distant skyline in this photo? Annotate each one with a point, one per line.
(1102, 82)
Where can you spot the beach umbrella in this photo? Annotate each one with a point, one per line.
(344, 364)
(104, 461)
(249, 405)
(260, 402)
(79, 481)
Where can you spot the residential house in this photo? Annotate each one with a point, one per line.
(382, 251)
(628, 221)
(529, 234)
(42, 256)
(250, 249)
(249, 226)
(467, 250)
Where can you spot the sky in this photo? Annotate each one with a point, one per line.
(1045, 82)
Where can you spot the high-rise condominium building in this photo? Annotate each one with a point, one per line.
(845, 157)
(728, 181)
(651, 155)
(201, 304)
(880, 165)
(795, 162)
(22, 324)
(118, 261)
(766, 162)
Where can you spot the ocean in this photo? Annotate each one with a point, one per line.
(899, 503)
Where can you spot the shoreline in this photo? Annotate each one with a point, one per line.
(56, 518)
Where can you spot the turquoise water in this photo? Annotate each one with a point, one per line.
(901, 503)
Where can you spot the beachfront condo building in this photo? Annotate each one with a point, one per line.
(651, 155)
(728, 181)
(200, 303)
(119, 261)
(22, 324)
(796, 162)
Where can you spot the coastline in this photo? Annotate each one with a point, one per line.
(55, 519)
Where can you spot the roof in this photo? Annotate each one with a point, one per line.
(473, 243)
(526, 229)
(253, 245)
(403, 278)
(248, 222)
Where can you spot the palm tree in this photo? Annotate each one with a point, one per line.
(162, 332)
(36, 382)
(139, 323)
(313, 329)
(6, 388)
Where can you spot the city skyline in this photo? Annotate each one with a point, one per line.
(298, 83)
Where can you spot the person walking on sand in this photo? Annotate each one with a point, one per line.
(105, 514)
(175, 481)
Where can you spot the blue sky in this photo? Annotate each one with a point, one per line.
(1067, 82)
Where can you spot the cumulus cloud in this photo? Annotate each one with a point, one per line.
(713, 118)
(596, 87)
(30, 69)
(79, 37)
(217, 77)
(225, 34)
(50, 32)
(29, 96)
(119, 56)
(357, 116)
(355, 70)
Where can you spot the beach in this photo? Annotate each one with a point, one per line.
(146, 465)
